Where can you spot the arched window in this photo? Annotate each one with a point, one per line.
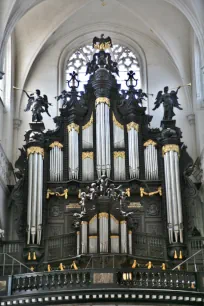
(125, 58)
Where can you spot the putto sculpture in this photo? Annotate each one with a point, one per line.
(169, 100)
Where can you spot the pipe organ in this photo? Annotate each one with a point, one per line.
(93, 166)
(35, 191)
(173, 193)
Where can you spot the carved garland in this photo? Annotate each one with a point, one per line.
(102, 100)
(88, 124)
(87, 155)
(170, 147)
(149, 142)
(142, 192)
(50, 192)
(119, 154)
(72, 126)
(56, 144)
(133, 125)
(33, 150)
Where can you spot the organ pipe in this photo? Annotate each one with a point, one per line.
(130, 241)
(87, 166)
(87, 134)
(173, 193)
(118, 134)
(84, 237)
(35, 189)
(103, 227)
(132, 129)
(123, 230)
(103, 163)
(56, 161)
(151, 162)
(119, 165)
(73, 140)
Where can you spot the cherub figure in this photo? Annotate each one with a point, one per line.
(141, 96)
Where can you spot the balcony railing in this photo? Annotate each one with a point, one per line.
(114, 278)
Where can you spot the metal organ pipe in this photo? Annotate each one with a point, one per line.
(173, 192)
(56, 161)
(151, 163)
(103, 136)
(30, 175)
(132, 129)
(73, 139)
(35, 189)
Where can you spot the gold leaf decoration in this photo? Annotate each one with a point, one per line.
(87, 155)
(56, 144)
(118, 154)
(33, 150)
(72, 126)
(118, 124)
(143, 192)
(149, 142)
(133, 125)
(102, 100)
(88, 124)
(170, 147)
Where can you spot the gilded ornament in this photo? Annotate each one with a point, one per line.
(133, 125)
(114, 236)
(103, 215)
(130, 232)
(72, 126)
(123, 222)
(114, 219)
(118, 124)
(33, 150)
(92, 219)
(84, 222)
(87, 155)
(158, 191)
(128, 192)
(50, 192)
(149, 142)
(88, 124)
(118, 154)
(56, 144)
(102, 100)
(93, 237)
(78, 233)
(170, 147)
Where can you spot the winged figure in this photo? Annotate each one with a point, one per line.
(37, 104)
(169, 101)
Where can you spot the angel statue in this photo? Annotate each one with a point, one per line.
(37, 104)
(169, 100)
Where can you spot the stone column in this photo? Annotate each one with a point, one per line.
(16, 125)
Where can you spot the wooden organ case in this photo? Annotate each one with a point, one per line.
(103, 183)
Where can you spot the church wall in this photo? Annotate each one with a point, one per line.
(161, 71)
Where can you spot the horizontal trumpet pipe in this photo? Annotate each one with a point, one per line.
(189, 84)
(16, 88)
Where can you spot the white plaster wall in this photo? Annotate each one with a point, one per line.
(161, 71)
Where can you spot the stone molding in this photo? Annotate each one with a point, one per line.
(191, 119)
(6, 170)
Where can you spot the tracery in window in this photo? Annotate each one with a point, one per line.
(125, 58)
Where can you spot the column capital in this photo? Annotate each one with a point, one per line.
(1, 75)
(191, 119)
(16, 123)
